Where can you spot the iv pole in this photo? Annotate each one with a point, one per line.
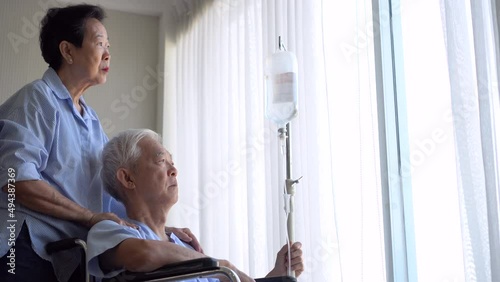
(289, 191)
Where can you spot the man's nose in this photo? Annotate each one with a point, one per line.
(172, 171)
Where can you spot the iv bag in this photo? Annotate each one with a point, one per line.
(281, 87)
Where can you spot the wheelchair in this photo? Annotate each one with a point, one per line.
(190, 269)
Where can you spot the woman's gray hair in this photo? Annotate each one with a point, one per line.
(122, 151)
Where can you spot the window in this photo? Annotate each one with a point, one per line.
(432, 146)
(389, 193)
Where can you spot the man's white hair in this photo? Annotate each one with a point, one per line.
(122, 151)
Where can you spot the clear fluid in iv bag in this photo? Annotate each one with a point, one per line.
(281, 87)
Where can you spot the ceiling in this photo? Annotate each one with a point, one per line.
(170, 8)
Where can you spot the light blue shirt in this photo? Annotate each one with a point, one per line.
(107, 234)
(43, 136)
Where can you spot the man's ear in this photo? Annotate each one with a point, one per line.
(66, 49)
(125, 178)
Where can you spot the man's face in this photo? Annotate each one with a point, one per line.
(155, 175)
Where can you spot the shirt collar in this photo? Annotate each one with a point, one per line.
(60, 91)
(148, 231)
(54, 82)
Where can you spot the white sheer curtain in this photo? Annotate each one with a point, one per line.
(472, 62)
(227, 151)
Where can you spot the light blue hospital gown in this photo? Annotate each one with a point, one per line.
(107, 234)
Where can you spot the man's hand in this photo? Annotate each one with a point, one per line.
(281, 265)
(96, 217)
(243, 276)
(185, 235)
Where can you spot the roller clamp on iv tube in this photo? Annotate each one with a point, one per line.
(289, 183)
(281, 108)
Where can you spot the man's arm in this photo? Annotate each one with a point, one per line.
(41, 197)
(139, 255)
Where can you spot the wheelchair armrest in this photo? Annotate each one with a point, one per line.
(170, 270)
(277, 279)
(65, 244)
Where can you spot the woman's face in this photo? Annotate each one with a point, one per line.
(91, 61)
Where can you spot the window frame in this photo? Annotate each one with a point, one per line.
(397, 199)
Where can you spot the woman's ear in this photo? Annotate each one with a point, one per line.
(125, 178)
(66, 49)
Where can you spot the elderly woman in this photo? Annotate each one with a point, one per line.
(50, 143)
(139, 171)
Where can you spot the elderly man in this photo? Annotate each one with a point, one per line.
(139, 172)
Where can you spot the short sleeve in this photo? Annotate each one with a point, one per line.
(104, 236)
(21, 151)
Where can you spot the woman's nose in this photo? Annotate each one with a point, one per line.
(106, 55)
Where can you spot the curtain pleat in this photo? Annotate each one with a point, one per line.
(474, 92)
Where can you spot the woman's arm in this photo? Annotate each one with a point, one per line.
(41, 197)
(187, 236)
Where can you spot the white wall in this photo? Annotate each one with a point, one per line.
(20, 57)
(129, 99)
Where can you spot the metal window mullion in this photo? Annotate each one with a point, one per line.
(393, 141)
